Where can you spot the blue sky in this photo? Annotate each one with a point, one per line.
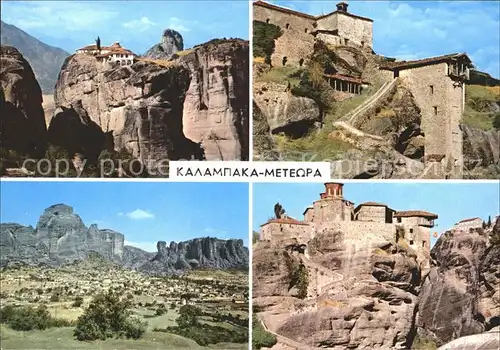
(144, 212)
(137, 25)
(418, 29)
(451, 201)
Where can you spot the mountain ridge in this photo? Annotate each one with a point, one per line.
(46, 60)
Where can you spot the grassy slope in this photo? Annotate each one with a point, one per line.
(478, 101)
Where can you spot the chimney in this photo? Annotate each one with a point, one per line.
(342, 7)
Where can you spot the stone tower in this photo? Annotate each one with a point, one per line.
(332, 206)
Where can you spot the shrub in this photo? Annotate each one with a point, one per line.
(107, 316)
(134, 327)
(496, 121)
(28, 318)
(54, 298)
(78, 302)
(161, 310)
(260, 337)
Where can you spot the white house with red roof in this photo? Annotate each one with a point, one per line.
(114, 54)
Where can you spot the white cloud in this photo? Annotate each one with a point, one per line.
(142, 24)
(147, 246)
(139, 214)
(177, 24)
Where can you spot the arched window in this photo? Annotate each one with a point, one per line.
(301, 62)
(129, 62)
(284, 61)
(267, 20)
(287, 26)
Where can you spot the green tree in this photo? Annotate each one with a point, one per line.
(188, 316)
(260, 337)
(264, 35)
(108, 316)
(496, 121)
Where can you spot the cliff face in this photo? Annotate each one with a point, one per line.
(217, 102)
(207, 252)
(59, 237)
(191, 107)
(461, 294)
(481, 151)
(22, 119)
(336, 292)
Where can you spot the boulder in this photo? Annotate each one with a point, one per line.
(284, 112)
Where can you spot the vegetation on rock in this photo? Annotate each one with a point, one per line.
(264, 35)
(260, 337)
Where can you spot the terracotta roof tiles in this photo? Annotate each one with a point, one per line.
(286, 220)
(422, 62)
(470, 219)
(415, 213)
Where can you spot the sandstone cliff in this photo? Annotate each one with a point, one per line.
(461, 295)
(22, 120)
(61, 237)
(192, 107)
(350, 294)
(206, 252)
(481, 152)
(216, 107)
(171, 42)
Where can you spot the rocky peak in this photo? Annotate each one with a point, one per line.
(171, 42)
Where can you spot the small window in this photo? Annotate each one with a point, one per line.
(411, 241)
(305, 30)
(363, 43)
(411, 230)
(267, 20)
(301, 62)
(423, 244)
(287, 26)
(284, 61)
(435, 110)
(431, 89)
(129, 62)
(346, 41)
(399, 220)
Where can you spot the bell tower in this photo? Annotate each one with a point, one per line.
(342, 6)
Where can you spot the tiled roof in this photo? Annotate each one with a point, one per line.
(413, 213)
(115, 48)
(282, 9)
(372, 204)
(309, 207)
(286, 220)
(422, 62)
(305, 15)
(346, 78)
(470, 219)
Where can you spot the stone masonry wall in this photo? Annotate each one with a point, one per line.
(371, 213)
(441, 108)
(356, 30)
(296, 43)
(279, 232)
(328, 210)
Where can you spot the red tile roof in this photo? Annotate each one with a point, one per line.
(346, 78)
(115, 48)
(470, 219)
(423, 62)
(304, 15)
(286, 220)
(372, 204)
(413, 213)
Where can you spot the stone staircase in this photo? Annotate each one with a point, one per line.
(381, 94)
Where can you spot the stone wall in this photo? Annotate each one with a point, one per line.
(440, 100)
(309, 215)
(371, 213)
(355, 30)
(328, 210)
(469, 224)
(279, 232)
(296, 43)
